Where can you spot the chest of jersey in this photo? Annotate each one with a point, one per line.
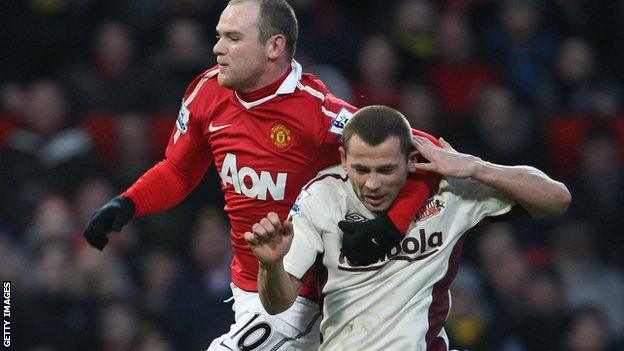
(425, 249)
(265, 152)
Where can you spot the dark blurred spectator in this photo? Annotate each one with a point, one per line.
(106, 82)
(574, 71)
(185, 53)
(588, 331)
(469, 322)
(544, 313)
(596, 21)
(586, 278)
(118, 328)
(38, 37)
(598, 187)
(196, 310)
(53, 310)
(378, 69)
(457, 75)
(90, 195)
(146, 17)
(14, 264)
(159, 269)
(11, 97)
(604, 100)
(154, 341)
(578, 87)
(102, 276)
(524, 45)
(504, 129)
(505, 272)
(52, 220)
(414, 32)
(420, 106)
(326, 34)
(132, 131)
(48, 152)
(334, 79)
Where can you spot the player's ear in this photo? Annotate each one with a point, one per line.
(275, 46)
(343, 157)
(412, 159)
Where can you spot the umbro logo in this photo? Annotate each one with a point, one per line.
(213, 129)
(355, 217)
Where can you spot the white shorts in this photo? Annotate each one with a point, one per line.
(254, 329)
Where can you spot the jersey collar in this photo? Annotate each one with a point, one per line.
(288, 86)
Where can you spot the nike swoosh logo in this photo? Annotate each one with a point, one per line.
(213, 129)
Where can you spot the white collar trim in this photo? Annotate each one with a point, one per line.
(288, 86)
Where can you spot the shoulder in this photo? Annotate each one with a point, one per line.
(475, 196)
(207, 78)
(329, 181)
(466, 187)
(314, 87)
(324, 191)
(334, 112)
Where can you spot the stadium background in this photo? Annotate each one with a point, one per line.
(89, 91)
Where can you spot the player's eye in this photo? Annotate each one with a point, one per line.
(386, 170)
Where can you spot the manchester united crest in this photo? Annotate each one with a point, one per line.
(281, 136)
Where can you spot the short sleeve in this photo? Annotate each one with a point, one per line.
(482, 199)
(307, 241)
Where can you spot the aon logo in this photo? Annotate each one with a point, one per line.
(260, 184)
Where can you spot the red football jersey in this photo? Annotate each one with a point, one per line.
(264, 151)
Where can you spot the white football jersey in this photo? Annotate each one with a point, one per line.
(400, 302)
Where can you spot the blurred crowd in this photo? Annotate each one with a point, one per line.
(89, 92)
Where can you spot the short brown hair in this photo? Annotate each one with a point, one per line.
(375, 124)
(277, 17)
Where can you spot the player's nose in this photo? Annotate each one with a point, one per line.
(219, 48)
(372, 183)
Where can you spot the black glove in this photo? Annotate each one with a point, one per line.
(366, 242)
(110, 217)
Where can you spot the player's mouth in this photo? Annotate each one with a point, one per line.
(375, 200)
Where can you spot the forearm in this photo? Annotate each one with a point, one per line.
(278, 289)
(162, 187)
(538, 194)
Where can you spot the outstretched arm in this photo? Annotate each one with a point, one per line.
(270, 240)
(538, 194)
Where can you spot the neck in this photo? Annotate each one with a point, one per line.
(273, 73)
(265, 89)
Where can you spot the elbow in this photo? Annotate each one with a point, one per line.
(564, 198)
(567, 199)
(559, 203)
